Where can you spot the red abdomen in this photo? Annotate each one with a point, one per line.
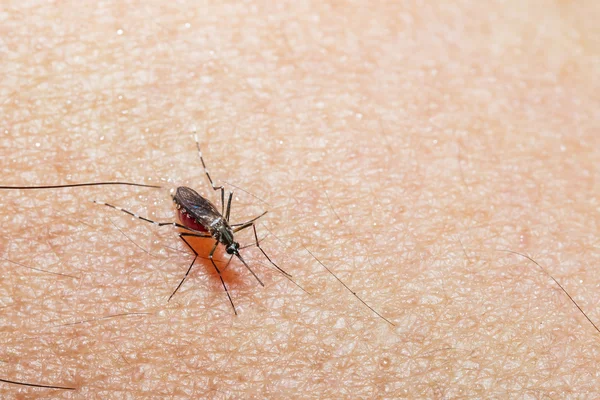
(189, 222)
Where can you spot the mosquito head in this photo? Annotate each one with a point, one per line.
(233, 248)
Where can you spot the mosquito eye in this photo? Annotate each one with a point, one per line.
(230, 250)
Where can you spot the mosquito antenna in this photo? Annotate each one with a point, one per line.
(350, 290)
(555, 281)
(237, 254)
(36, 385)
(79, 185)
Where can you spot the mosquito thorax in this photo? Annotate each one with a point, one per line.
(200, 218)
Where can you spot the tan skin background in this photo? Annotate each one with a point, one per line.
(402, 143)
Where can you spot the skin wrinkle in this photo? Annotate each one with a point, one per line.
(510, 92)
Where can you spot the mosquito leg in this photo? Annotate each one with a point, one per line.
(212, 184)
(189, 269)
(238, 255)
(210, 256)
(222, 199)
(145, 219)
(246, 224)
(265, 254)
(246, 246)
(286, 275)
(256, 241)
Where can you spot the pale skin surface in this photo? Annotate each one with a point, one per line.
(401, 144)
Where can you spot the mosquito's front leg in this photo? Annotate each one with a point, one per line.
(212, 184)
(256, 241)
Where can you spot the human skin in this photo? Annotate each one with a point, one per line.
(406, 146)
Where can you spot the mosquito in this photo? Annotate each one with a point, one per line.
(202, 219)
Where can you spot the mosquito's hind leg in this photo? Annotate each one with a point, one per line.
(210, 256)
(175, 224)
(189, 269)
(284, 273)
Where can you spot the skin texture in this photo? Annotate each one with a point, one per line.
(403, 144)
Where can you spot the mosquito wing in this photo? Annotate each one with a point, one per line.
(196, 206)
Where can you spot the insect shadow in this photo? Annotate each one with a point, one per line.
(202, 219)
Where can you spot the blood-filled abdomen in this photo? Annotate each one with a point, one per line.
(189, 222)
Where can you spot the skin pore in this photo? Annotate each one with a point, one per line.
(402, 144)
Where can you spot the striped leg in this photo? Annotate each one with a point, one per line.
(210, 256)
(212, 184)
(175, 224)
(257, 242)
